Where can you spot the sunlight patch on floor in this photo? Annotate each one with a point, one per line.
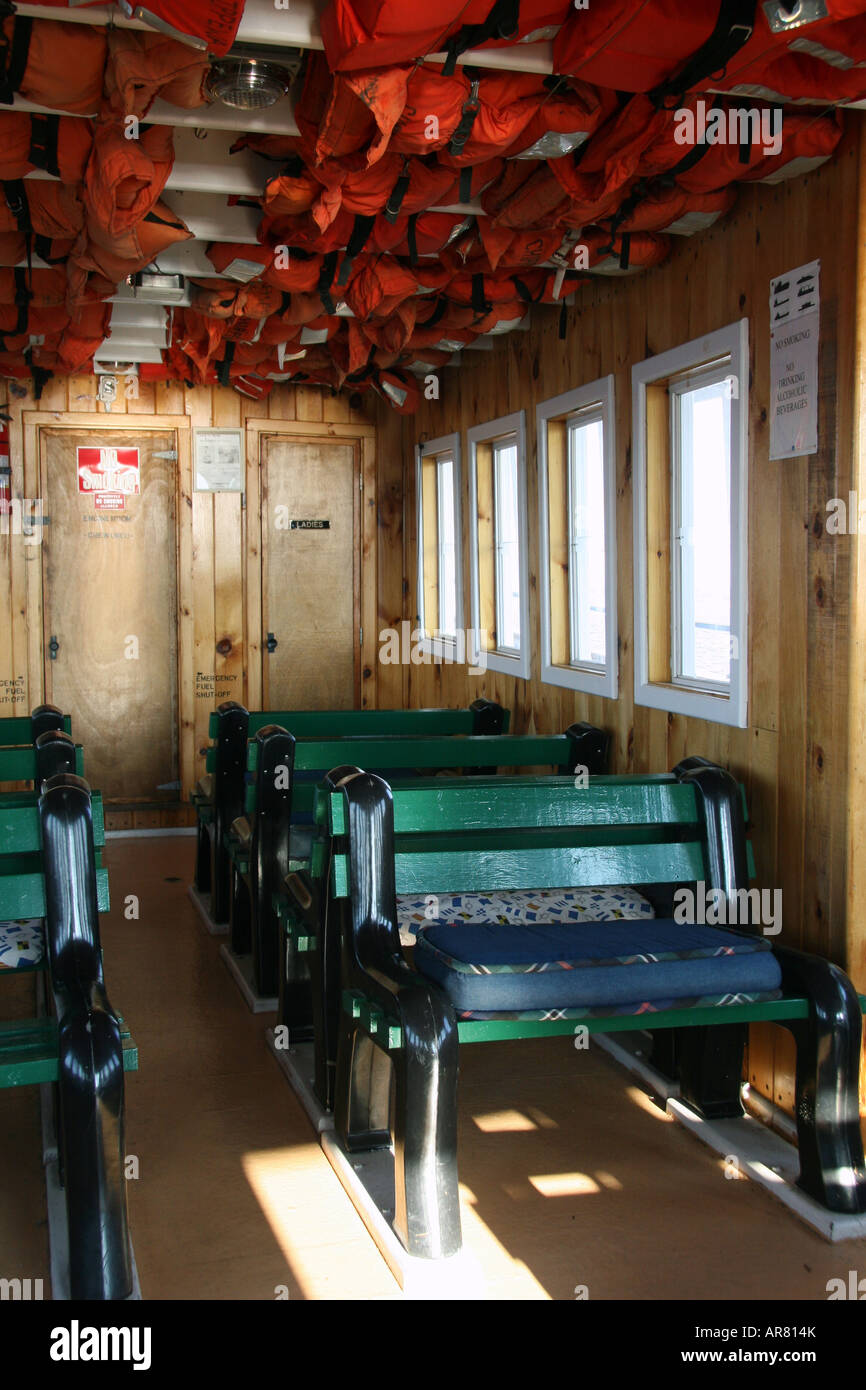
(504, 1122)
(329, 1253)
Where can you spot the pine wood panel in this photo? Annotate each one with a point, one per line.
(794, 755)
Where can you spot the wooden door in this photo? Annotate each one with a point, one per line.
(310, 573)
(109, 569)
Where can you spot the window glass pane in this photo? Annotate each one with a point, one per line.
(587, 569)
(507, 546)
(704, 534)
(447, 546)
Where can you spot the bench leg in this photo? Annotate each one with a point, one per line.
(363, 1088)
(92, 1143)
(427, 1203)
(832, 1168)
(710, 1064)
(239, 915)
(220, 879)
(202, 860)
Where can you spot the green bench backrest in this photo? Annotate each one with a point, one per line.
(22, 885)
(328, 723)
(17, 729)
(475, 750)
(19, 764)
(614, 831)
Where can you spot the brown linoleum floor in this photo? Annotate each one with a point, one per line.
(570, 1176)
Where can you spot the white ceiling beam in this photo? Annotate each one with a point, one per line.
(273, 120)
(125, 350)
(210, 218)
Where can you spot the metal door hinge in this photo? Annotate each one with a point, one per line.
(166, 454)
(360, 637)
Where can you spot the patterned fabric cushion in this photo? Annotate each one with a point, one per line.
(21, 943)
(546, 904)
(605, 967)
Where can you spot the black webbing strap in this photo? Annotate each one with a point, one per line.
(40, 375)
(44, 134)
(15, 193)
(442, 307)
(42, 247)
(480, 304)
(14, 57)
(397, 194)
(326, 280)
(524, 291)
(361, 229)
(465, 189)
(412, 237)
(285, 302)
(694, 156)
(502, 22)
(223, 375)
(733, 29)
(23, 293)
(624, 250)
(471, 107)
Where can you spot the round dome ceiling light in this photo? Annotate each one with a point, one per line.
(247, 83)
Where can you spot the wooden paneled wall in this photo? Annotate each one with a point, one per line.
(218, 546)
(793, 756)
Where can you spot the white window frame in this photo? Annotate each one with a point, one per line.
(590, 680)
(719, 707)
(430, 643)
(506, 663)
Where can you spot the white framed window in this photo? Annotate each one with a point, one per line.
(577, 530)
(440, 567)
(690, 411)
(498, 543)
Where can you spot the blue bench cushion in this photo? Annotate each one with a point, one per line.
(21, 943)
(545, 969)
(518, 905)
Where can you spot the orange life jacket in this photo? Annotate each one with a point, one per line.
(125, 178)
(115, 257)
(44, 289)
(367, 33)
(40, 208)
(142, 67)
(58, 144)
(214, 22)
(672, 210)
(341, 116)
(806, 140)
(14, 249)
(60, 66)
(668, 48)
(223, 299)
(473, 115)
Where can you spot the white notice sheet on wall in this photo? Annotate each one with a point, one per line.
(794, 323)
(218, 460)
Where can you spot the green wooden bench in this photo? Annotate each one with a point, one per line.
(52, 754)
(548, 833)
(26, 728)
(219, 797)
(262, 851)
(50, 869)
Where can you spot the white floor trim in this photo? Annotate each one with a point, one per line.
(760, 1153)
(298, 1065)
(201, 902)
(241, 970)
(55, 1202)
(369, 1182)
